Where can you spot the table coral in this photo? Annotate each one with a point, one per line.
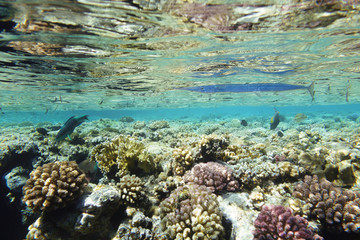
(123, 154)
(338, 210)
(191, 212)
(53, 186)
(215, 176)
(278, 222)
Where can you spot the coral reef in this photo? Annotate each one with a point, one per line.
(53, 186)
(211, 148)
(255, 172)
(156, 125)
(131, 190)
(123, 155)
(215, 176)
(278, 222)
(182, 160)
(338, 210)
(89, 219)
(191, 212)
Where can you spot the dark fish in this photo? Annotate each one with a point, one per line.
(244, 123)
(67, 129)
(252, 87)
(42, 131)
(275, 120)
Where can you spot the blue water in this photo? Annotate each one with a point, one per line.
(186, 114)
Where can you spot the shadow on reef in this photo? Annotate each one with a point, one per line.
(11, 227)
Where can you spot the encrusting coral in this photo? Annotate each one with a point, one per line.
(338, 210)
(123, 155)
(215, 176)
(278, 222)
(191, 212)
(54, 185)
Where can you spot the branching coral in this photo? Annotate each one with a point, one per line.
(211, 148)
(183, 159)
(54, 185)
(278, 222)
(215, 176)
(191, 212)
(338, 210)
(234, 153)
(131, 189)
(123, 155)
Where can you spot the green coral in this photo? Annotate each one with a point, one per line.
(124, 155)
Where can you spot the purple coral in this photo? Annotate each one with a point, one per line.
(277, 222)
(338, 210)
(213, 175)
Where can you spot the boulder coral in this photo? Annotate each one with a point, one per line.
(191, 212)
(338, 210)
(278, 222)
(53, 186)
(124, 155)
(215, 176)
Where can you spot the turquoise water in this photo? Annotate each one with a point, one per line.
(249, 113)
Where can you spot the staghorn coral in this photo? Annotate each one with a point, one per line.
(53, 186)
(183, 159)
(338, 210)
(215, 176)
(131, 190)
(191, 212)
(123, 155)
(278, 222)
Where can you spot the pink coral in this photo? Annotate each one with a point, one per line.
(213, 175)
(277, 222)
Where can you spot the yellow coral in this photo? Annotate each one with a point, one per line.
(183, 159)
(124, 155)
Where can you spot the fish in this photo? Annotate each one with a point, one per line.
(275, 120)
(300, 117)
(69, 126)
(250, 87)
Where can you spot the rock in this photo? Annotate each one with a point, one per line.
(16, 179)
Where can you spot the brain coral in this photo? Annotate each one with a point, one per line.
(124, 155)
(213, 175)
(54, 185)
(191, 212)
(277, 222)
(338, 210)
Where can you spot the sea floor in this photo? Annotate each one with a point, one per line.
(142, 174)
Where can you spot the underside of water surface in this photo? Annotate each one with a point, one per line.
(71, 55)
